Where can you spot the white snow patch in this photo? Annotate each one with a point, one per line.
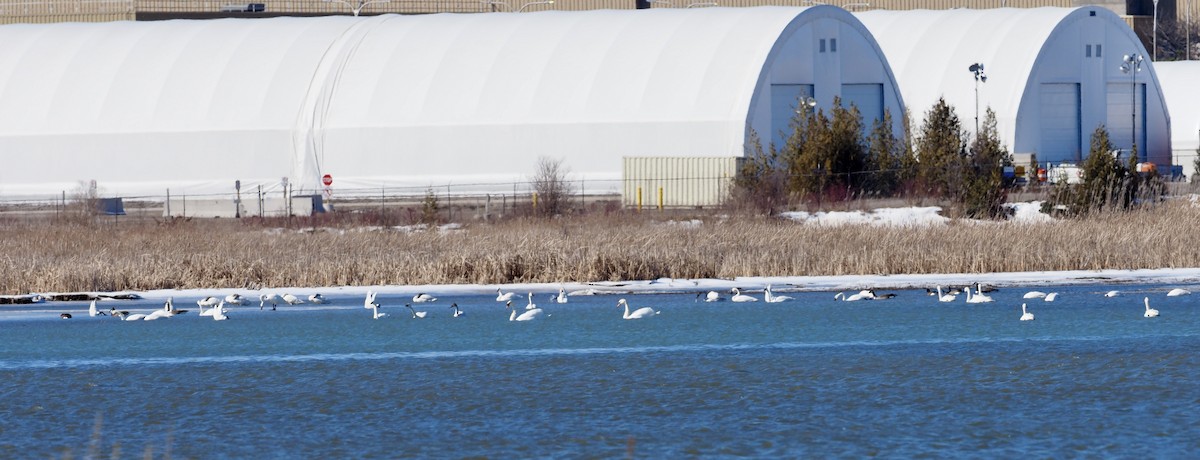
(898, 217)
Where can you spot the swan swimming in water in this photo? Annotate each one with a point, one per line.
(531, 305)
(370, 302)
(1112, 293)
(415, 314)
(502, 296)
(218, 312)
(1034, 295)
(375, 314)
(457, 311)
(863, 294)
(1178, 292)
(92, 310)
(562, 296)
(1025, 315)
(739, 297)
(1051, 296)
(710, 296)
(644, 312)
(770, 297)
(945, 297)
(528, 315)
(1150, 312)
(423, 297)
(977, 297)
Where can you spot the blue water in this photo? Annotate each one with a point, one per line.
(812, 377)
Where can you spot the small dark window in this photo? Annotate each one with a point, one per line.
(822, 45)
(1091, 13)
(1097, 50)
(833, 45)
(1088, 53)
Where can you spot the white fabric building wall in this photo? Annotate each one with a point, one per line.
(411, 100)
(1181, 85)
(1053, 75)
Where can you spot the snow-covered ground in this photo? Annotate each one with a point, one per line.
(908, 217)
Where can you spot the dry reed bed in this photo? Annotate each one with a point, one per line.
(47, 258)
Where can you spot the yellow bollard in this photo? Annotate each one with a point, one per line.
(535, 201)
(660, 198)
(639, 199)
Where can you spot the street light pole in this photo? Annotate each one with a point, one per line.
(1132, 64)
(977, 69)
(1154, 54)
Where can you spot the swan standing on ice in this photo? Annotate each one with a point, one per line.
(1112, 293)
(644, 312)
(415, 314)
(770, 297)
(1150, 312)
(317, 299)
(208, 302)
(1034, 295)
(291, 299)
(502, 296)
(272, 298)
(977, 297)
(562, 296)
(457, 311)
(423, 297)
(235, 299)
(945, 297)
(1178, 292)
(1025, 315)
(739, 297)
(528, 315)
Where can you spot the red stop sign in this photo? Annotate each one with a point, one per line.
(327, 180)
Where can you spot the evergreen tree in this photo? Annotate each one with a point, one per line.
(940, 153)
(985, 192)
(760, 183)
(884, 157)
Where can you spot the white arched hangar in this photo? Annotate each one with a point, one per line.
(426, 100)
(1180, 82)
(1053, 76)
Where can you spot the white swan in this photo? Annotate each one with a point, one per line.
(423, 297)
(977, 297)
(208, 302)
(1025, 315)
(457, 311)
(218, 312)
(531, 305)
(1051, 296)
(1178, 292)
(945, 297)
(317, 299)
(156, 314)
(169, 307)
(562, 296)
(1112, 293)
(502, 296)
(528, 315)
(291, 299)
(235, 299)
(1034, 295)
(265, 298)
(770, 297)
(644, 312)
(1150, 312)
(711, 296)
(134, 317)
(415, 314)
(92, 310)
(370, 302)
(739, 297)
(375, 314)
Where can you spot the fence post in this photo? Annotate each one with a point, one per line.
(660, 198)
(260, 201)
(639, 199)
(168, 203)
(487, 206)
(535, 201)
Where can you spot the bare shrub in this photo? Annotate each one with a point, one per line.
(552, 188)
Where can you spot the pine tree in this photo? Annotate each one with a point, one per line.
(940, 153)
(985, 192)
(884, 157)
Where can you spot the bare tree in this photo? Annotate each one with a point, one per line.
(552, 188)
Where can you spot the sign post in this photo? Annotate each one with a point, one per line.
(328, 181)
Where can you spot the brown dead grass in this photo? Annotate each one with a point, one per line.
(43, 257)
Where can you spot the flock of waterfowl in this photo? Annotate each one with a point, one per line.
(216, 307)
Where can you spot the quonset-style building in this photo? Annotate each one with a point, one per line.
(414, 100)
(1053, 76)
(1180, 82)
